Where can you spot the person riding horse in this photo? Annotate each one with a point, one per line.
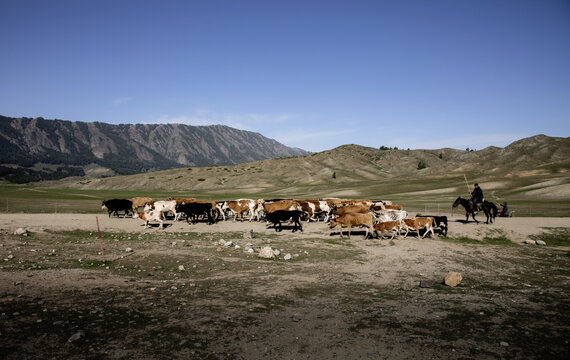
(477, 198)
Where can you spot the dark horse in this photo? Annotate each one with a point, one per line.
(489, 208)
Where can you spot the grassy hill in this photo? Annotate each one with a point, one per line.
(531, 173)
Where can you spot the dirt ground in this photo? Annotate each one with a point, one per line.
(195, 291)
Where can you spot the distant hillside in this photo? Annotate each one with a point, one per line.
(39, 149)
(353, 170)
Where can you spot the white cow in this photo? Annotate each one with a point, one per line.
(163, 206)
(390, 215)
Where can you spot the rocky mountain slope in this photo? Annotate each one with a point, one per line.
(40, 149)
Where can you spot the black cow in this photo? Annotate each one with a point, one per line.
(115, 205)
(276, 217)
(195, 209)
(440, 223)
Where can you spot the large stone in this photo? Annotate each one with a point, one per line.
(266, 252)
(453, 279)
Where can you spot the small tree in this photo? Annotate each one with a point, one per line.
(334, 175)
(421, 165)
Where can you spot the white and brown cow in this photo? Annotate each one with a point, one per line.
(148, 216)
(314, 208)
(238, 207)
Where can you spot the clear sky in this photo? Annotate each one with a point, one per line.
(310, 74)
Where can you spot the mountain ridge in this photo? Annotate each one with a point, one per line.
(124, 148)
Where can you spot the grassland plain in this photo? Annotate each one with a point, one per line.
(182, 292)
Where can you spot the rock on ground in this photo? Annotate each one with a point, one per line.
(453, 278)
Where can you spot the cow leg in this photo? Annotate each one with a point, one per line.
(297, 222)
(349, 227)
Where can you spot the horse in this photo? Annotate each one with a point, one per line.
(488, 207)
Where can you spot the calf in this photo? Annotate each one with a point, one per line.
(113, 206)
(440, 223)
(148, 216)
(197, 208)
(278, 216)
(417, 224)
(384, 226)
(353, 219)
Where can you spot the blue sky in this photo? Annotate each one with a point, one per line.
(310, 74)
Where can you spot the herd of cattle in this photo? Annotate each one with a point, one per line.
(377, 217)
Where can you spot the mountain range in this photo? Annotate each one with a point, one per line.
(40, 149)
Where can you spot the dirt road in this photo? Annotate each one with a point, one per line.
(516, 229)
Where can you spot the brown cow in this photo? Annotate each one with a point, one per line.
(393, 207)
(351, 209)
(288, 205)
(353, 219)
(417, 224)
(384, 226)
(140, 202)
